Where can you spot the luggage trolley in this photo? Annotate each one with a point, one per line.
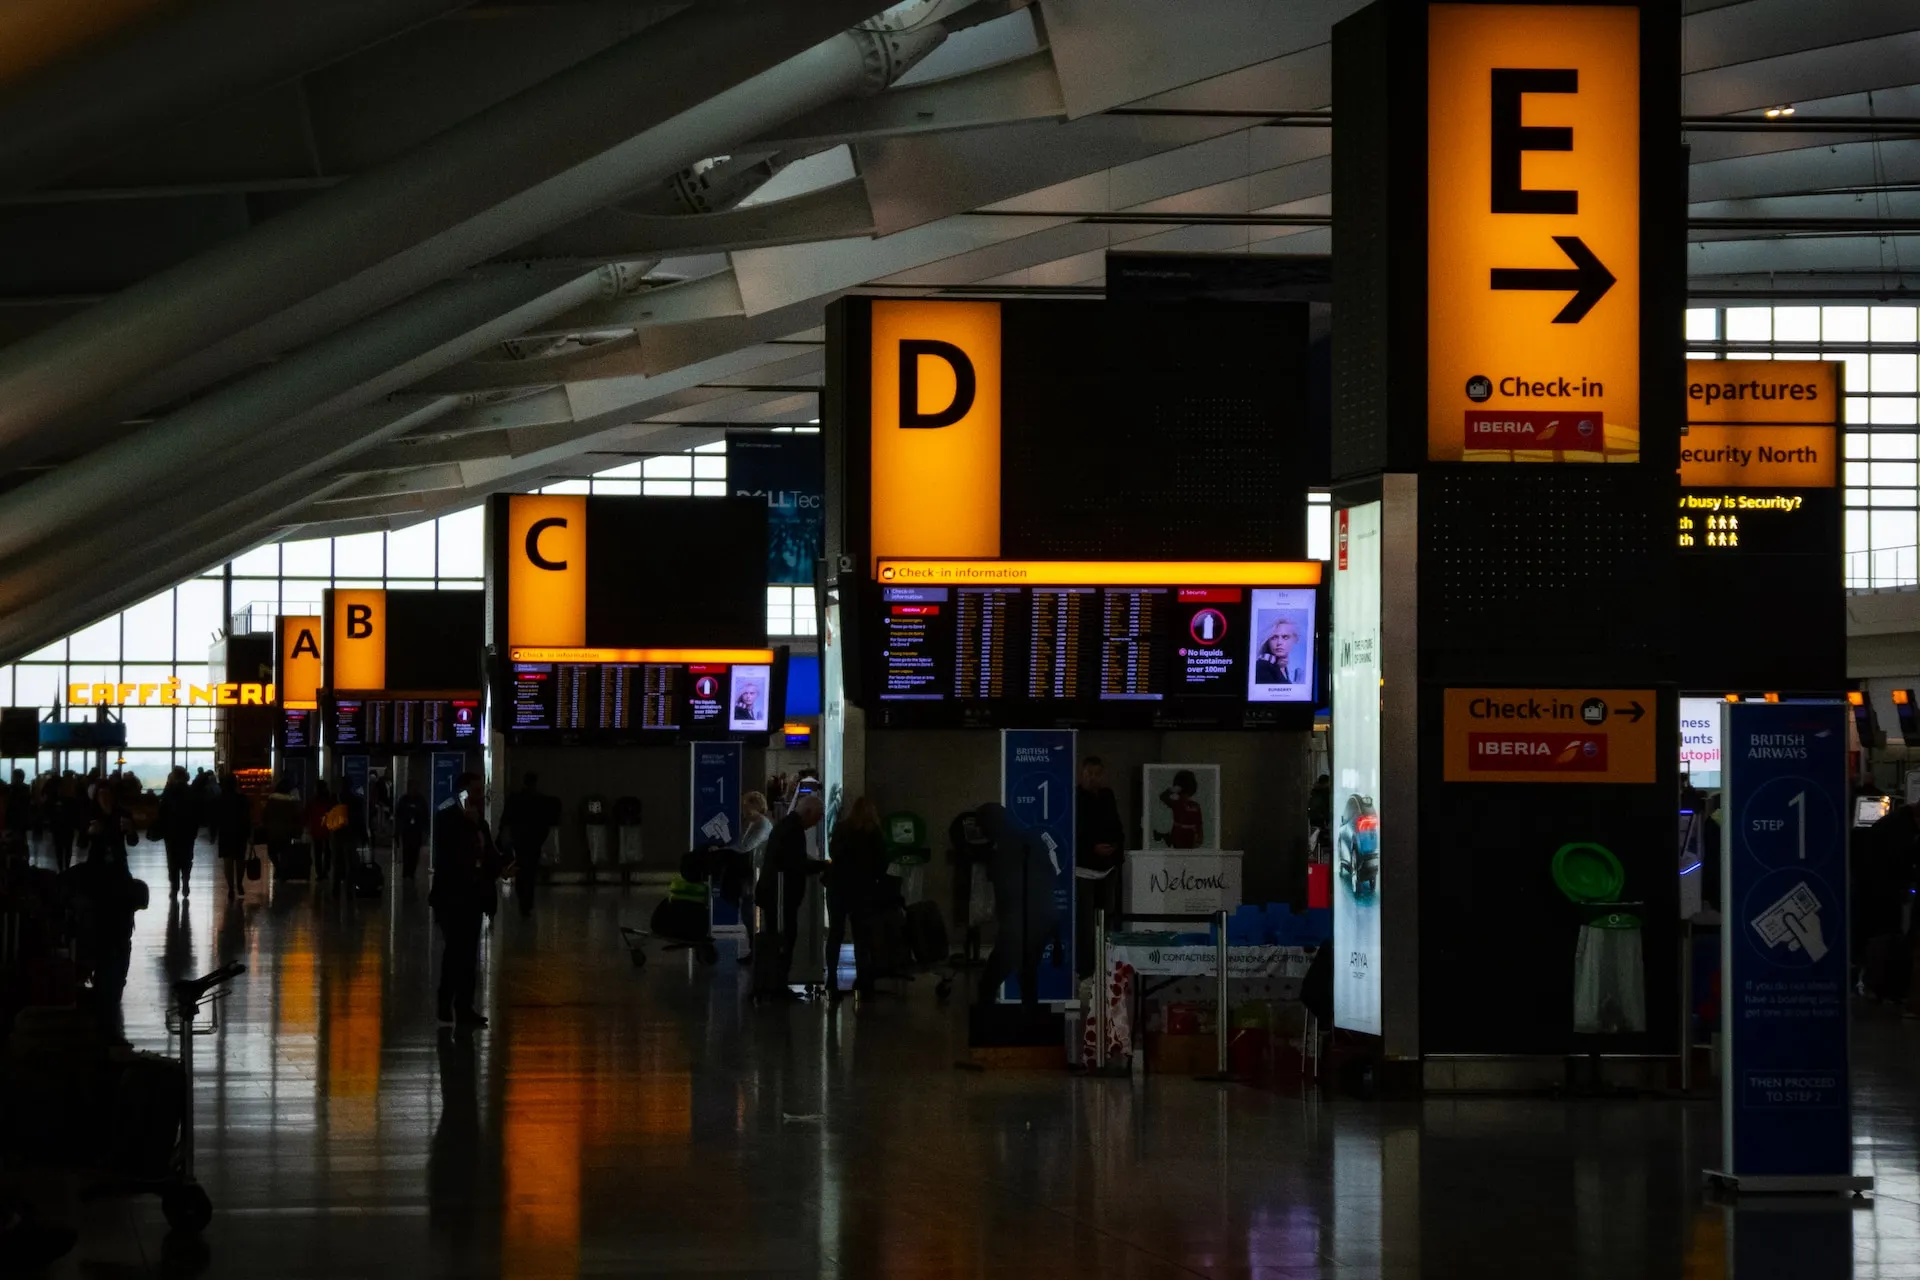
(182, 1199)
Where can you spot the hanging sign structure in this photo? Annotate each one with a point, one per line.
(1533, 233)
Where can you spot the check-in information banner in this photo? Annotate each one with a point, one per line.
(1550, 735)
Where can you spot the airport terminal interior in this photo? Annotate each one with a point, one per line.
(966, 638)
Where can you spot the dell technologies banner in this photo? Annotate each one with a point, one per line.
(789, 473)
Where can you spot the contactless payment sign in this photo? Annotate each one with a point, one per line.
(1533, 233)
(1550, 735)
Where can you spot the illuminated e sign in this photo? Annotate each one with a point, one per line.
(1533, 233)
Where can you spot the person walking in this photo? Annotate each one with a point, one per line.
(1099, 839)
(348, 837)
(316, 815)
(527, 818)
(19, 814)
(179, 827)
(465, 867)
(783, 888)
(108, 896)
(855, 883)
(1024, 915)
(232, 831)
(410, 828)
(66, 813)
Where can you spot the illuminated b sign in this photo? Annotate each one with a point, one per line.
(935, 429)
(1533, 233)
(357, 638)
(546, 549)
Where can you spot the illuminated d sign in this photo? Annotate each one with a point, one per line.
(357, 639)
(546, 549)
(912, 352)
(934, 431)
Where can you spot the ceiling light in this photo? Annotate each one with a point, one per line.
(1775, 113)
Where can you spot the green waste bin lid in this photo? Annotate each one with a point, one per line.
(1588, 872)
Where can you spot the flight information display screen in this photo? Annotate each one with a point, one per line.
(637, 701)
(401, 722)
(1045, 654)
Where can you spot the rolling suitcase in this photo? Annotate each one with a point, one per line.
(769, 966)
(926, 934)
(368, 880)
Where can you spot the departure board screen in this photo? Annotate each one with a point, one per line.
(630, 702)
(296, 732)
(1221, 656)
(402, 723)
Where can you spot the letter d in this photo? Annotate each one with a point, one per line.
(911, 349)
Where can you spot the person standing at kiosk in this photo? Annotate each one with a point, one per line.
(1101, 838)
(527, 818)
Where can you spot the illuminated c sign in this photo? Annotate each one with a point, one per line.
(934, 428)
(546, 553)
(533, 544)
(1533, 233)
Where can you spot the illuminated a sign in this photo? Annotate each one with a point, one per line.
(1096, 573)
(935, 428)
(357, 640)
(301, 669)
(546, 549)
(1533, 233)
(171, 693)
(1549, 735)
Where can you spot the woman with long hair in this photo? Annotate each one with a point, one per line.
(854, 883)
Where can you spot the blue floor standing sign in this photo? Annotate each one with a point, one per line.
(1786, 1120)
(1037, 784)
(714, 815)
(443, 773)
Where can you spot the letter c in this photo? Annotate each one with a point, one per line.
(533, 543)
(911, 349)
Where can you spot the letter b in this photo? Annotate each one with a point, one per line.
(359, 621)
(911, 349)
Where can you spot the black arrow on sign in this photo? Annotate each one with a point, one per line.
(1588, 279)
(1636, 710)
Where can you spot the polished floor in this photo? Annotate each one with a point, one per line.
(650, 1123)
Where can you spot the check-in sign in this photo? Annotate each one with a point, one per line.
(1533, 233)
(1549, 735)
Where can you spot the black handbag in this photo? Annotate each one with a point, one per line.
(253, 866)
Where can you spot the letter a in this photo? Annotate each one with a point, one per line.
(304, 644)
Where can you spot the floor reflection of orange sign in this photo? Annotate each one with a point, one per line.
(1550, 735)
(1533, 233)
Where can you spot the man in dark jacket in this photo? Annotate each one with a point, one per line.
(410, 825)
(783, 882)
(1024, 915)
(179, 826)
(1099, 839)
(465, 864)
(528, 817)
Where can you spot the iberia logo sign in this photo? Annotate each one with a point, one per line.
(1536, 753)
(1535, 429)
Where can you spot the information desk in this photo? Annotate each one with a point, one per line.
(1046, 654)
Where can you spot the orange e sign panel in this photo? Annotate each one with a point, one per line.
(1533, 233)
(934, 437)
(1550, 735)
(357, 646)
(547, 570)
(301, 669)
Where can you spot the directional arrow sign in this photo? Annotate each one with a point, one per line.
(1587, 280)
(1533, 157)
(1636, 711)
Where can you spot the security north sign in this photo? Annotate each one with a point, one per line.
(1550, 735)
(1533, 233)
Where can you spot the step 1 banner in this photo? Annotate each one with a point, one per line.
(1785, 1110)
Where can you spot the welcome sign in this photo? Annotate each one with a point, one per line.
(1183, 881)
